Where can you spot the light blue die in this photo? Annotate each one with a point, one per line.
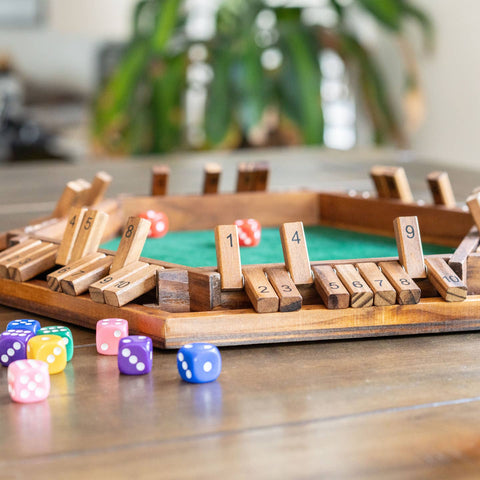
(24, 324)
(199, 362)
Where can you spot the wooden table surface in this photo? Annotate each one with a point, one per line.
(389, 408)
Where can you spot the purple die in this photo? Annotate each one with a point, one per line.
(199, 362)
(135, 355)
(13, 345)
(24, 324)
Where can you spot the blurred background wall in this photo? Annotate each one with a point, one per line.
(61, 52)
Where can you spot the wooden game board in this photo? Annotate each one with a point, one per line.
(191, 306)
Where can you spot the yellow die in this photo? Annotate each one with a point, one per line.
(50, 349)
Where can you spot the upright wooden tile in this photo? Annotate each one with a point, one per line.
(90, 234)
(211, 177)
(445, 281)
(383, 292)
(228, 257)
(67, 199)
(360, 294)
(133, 239)
(473, 202)
(441, 189)
(204, 289)
(259, 290)
(245, 177)
(408, 293)
(34, 263)
(290, 298)
(83, 193)
(173, 290)
(409, 245)
(330, 288)
(377, 173)
(398, 185)
(100, 184)
(131, 287)
(261, 173)
(295, 252)
(160, 176)
(80, 280)
(54, 278)
(458, 260)
(74, 222)
(98, 288)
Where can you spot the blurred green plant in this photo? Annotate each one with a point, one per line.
(142, 107)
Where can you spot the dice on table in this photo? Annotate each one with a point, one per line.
(13, 345)
(63, 332)
(24, 324)
(159, 222)
(109, 332)
(249, 232)
(28, 381)
(135, 355)
(199, 362)
(50, 349)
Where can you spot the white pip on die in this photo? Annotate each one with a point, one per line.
(109, 332)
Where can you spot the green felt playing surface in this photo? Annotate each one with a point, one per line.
(197, 248)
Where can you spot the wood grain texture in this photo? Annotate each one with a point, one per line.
(398, 185)
(67, 199)
(409, 245)
(383, 292)
(377, 174)
(360, 293)
(295, 252)
(34, 263)
(204, 290)
(259, 290)
(72, 227)
(20, 254)
(441, 189)
(330, 288)
(228, 257)
(408, 293)
(458, 261)
(100, 184)
(90, 235)
(287, 292)
(444, 279)
(173, 290)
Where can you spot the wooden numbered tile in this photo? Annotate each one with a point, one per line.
(261, 171)
(260, 291)
(90, 234)
(96, 289)
(290, 298)
(397, 183)
(245, 176)
(295, 252)
(19, 252)
(383, 292)
(377, 174)
(80, 280)
(83, 192)
(408, 293)
(473, 202)
(360, 293)
(205, 290)
(54, 278)
(34, 263)
(100, 184)
(409, 245)
(211, 178)
(133, 239)
(131, 287)
(67, 199)
(330, 288)
(458, 260)
(444, 279)
(74, 222)
(228, 257)
(441, 189)
(160, 175)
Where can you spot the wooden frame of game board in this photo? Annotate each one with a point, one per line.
(232, 322)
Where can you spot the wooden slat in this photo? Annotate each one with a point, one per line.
(397, 183)
(408, 292)
(360, 294)
(78, 267)
(330, 288)
(133, 286)
(67, 200)
(261, 172)
(441, 189)
(245, 177)
(34, 263)
(260, 291)
(24, 251)
(83, 193)
(383, 292)
(173, 290)
(133, 239)
(473, 202)
(377, 173)
(211, 177)
(444, 279)
(228, 257)
(409, 245)
(90, 234)
(290, 298)
(18, 249)
(458, 260)
(96, 289)
(295, 251)
(160, 176)
(204, 290)
(78, 282)
(100, 184)
(74, 222)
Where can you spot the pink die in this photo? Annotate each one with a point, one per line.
(28, 381)
(109, 333)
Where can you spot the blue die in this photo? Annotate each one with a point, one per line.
(199, 362)
(24, 324)
(13, 345)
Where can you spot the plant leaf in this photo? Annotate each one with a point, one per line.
(387, 12)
